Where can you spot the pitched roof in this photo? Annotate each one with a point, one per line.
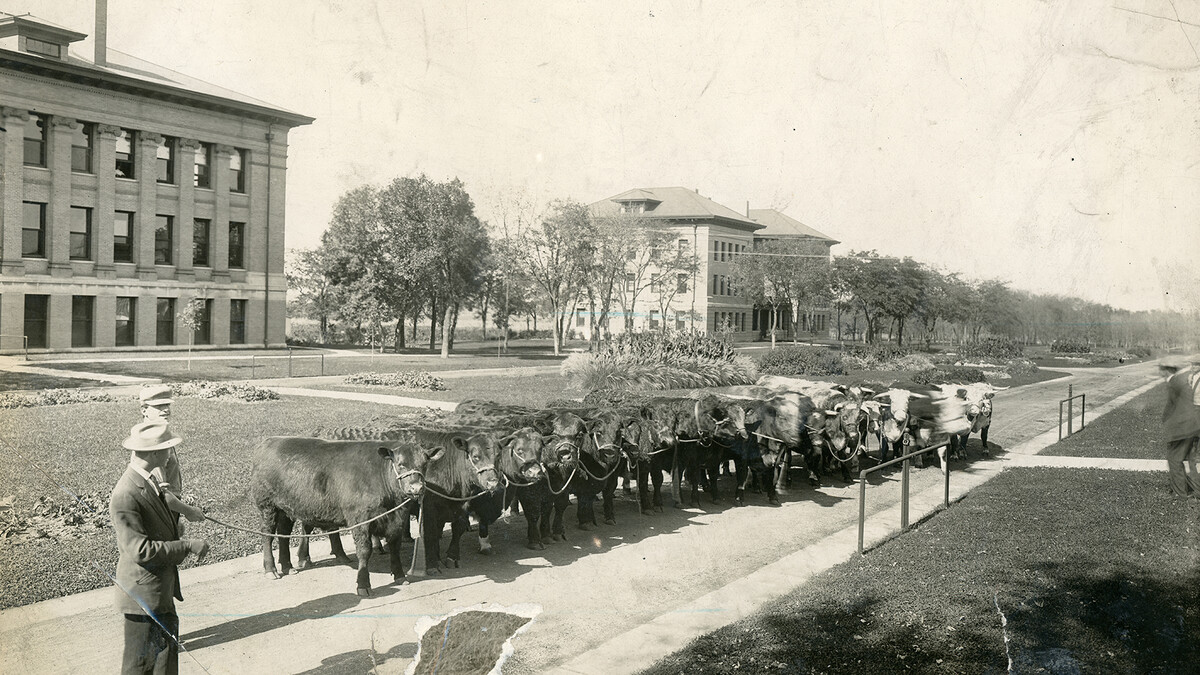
(778, 224)
(143, 75)
(675, 203)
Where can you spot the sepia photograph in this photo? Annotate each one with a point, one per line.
(599, 338)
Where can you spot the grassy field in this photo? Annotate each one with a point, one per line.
(11, 381)
(1133, 431)
(1093, 570)
(79, 446)
(528, 390)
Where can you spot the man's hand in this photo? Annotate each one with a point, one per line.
(199, 547)
(194, 514)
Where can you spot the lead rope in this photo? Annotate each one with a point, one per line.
(348, 528)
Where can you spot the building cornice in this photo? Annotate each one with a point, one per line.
(92, 77)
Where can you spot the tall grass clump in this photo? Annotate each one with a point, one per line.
(792, 361)
(659, 361)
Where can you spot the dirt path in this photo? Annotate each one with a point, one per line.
(592, 589)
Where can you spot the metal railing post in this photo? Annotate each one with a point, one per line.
(25, 342)
(322, 364)
(904, 496)
(1082, 409)
(289, 361)
(862, 508)
(946, 475)
(1060, 404)
(252, 365)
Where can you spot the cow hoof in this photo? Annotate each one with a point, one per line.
(627, 490)
(364, 592)
(433, 572)
(658, 507)
(293, 571)
(450, 563)
(648, 512)
(304, 564)
(610, 521)
(558, 537)
(273, 574)
(586, 526)
(400, 580)
(535, 546)
(342, 560)
(773, 501)
(485, 551)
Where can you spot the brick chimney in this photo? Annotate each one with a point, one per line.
(101, 33)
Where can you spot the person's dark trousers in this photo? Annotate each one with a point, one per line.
(1178, 452)
(148, 650)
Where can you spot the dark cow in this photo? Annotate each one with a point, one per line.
(524, 455)
(688, 426)
(332, 484)
(599, 460)
(783, 431)
(640, 443)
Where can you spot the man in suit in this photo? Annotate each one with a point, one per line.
(1181, 426)
(150, 551)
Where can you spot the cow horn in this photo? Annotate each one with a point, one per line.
(831, 413)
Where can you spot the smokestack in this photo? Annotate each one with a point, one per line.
(101, 33)
(747, 208)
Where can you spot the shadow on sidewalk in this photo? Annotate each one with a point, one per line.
(362, 660)
(244, 627)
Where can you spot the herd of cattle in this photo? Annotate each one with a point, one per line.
(484, 457)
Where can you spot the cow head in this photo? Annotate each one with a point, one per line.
(564, 442)
(603, 440)
(483, 452)
(521, 455)
(408, 464)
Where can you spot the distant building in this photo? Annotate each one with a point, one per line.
(706, 301)
(780, 226)
(126, 191)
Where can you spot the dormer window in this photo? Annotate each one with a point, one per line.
(633, 207)
(37, 37)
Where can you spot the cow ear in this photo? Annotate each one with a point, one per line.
(989, 395)
(459, 443)
(839, 405)
(547, 438)
(385, 452)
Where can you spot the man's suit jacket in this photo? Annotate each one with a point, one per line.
(1181, 417)
(149, 547)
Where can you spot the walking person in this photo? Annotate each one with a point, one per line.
(150, 551)
(156, 405)
(1181, 426)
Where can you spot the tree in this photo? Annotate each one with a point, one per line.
(866, 276)
(308, 275)
(905, 282)
(676, 265)
(761, 279)
(189, 320)
(554, 255)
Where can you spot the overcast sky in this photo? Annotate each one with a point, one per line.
(1052, 144)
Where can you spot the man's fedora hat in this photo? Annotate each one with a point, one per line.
(156, 394)
(150, 436)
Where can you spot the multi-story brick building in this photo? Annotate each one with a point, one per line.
(126, 191)
(707, 300)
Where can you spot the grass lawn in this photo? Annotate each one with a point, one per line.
(528, 390)
(1106, 585)
(304, 364)
(79, 445)
(1133, 431)
(12, 381)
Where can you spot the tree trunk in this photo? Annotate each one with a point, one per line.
(433, 317)
(454, 323)
(400, 332)
(324, 329)
(415, 317)
(900, 331)
(774, 323)
(554, 327)
(447, 320)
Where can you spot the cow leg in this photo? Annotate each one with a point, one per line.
(983, 439)
(713, 478)
(303, 561)
(557, 530)
(362, 545)
(284, 525)
(487, 509)
(431, 532)
(656, 479)
(585, 506)
(268, 520)
(395, 525)
(645, 498)
(676, 491)
(531, 504)
(335, 547)
(457, 526)
(741, 476)
(545, 508)
(610, 491)
(693, 469)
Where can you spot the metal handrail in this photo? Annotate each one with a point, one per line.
(1070, 403)
(862, 487)
(25, 343)
(254, 361)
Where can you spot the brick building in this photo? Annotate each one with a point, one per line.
(126, 191)
(707, 300)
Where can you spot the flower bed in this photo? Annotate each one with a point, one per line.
(407, 380)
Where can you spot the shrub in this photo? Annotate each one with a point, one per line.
(879, 353)
(992, 348)
(668, 347)
(411, 380)
(1069, 347)
(1141, 351)
(949, 375)
(52, 397)
(792, 361)
(910, 362)
(226, 390)
(607, 371)
(1020, 367)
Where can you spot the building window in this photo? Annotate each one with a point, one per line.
(653, 319)
(36, 313)
(630, 283)
(165, 330)
(201, 176)
(237, 173)
(81, 233)
(681, 283)
(81, 148)
(123, 236)
(166, 160)
(655, 286)
(683, 246)
(200, 242)
(33, 230)
(126, 325)
(237, 245)
(82, 315)
(35, 46)
(35, 140)
(203, 332)
(716, 284)
(716, 250)
(237, 322)
(162, 239)
(680, 324)
(126, 143)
